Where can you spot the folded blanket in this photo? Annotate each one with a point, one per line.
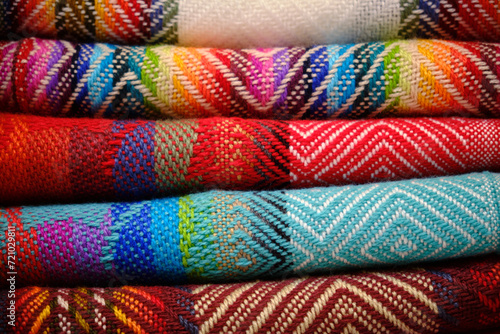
(242, 23)
(338, 81)
(439, 298)
(70, 160)
(218, 235)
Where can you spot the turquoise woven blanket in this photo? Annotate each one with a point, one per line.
(219, 235)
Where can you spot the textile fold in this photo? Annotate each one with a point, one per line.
(367, 80)
(446, 298)
(249, 166)
(54, 160)
(243, 24)
(221, 235)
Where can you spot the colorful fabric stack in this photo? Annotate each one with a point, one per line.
(243, 24)
(227, 166)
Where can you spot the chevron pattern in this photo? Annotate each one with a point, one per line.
(341, 227)
(126, 160)
(338, 81)
(123, 22)
(446, 298)
(363, 303)
(248, 154)
(222, 235)
(354, 152)
(183, 21)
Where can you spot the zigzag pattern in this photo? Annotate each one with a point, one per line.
(186, 21)
(123, 22)
(363, 303)
(110, 160)
(222, 236)
(447, 298)
(359, 226)
(355, 152)
(338, 81)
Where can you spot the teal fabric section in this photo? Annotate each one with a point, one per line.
(249, 234)
(280, 233)
(89, 214)
(224, 235)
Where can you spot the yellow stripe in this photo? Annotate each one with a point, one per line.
(82, 321)
(130, 323)
(41, 318)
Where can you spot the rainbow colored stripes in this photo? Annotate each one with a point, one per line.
(401, 78)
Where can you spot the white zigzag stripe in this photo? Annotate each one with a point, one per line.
(430, 198)
(319, 161)
(85, 78)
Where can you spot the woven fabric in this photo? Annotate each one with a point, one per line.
(434, 299)
(403, 78)
(72, 160)
(217, 235)
(240, 23)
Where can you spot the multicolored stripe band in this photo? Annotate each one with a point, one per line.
(445, 298)
(69, 160)
(399, 78)
(240, 23)
(218, 236)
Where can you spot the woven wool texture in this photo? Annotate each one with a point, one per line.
(402, 78)
(241, 23)
(121, 160)
(434, 299)
(218, 236)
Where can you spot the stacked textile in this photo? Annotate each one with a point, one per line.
(134, 160)
(220, 235)
(462, 296)
(242, 23)
(379, 79)
(211, 182)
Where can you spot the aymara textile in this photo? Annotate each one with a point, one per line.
(434, 299)
(219, 236)
(399, 78)
(242, 23)
(72, 160)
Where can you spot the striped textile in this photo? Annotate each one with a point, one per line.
(400, 78)
(73, 160)
(241, 23)
(217, 236)
(451, 297)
